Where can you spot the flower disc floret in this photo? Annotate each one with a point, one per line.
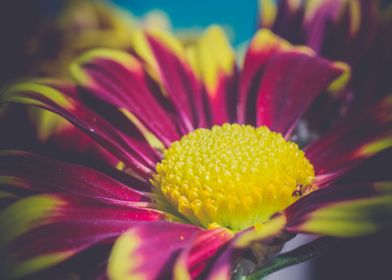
(233, 175)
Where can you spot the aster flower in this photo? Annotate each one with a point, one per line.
(208, 173)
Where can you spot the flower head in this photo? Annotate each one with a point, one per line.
(206, 169)
(232, 176)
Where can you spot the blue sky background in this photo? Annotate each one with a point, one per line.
(239, 15)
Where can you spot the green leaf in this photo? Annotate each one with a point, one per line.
(296, 256)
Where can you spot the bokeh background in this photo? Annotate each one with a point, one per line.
(238, 16)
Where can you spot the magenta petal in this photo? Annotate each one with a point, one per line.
(214, 63)
(197, 258)
(149, 250)
(358, 137)
(223, 266)
(291, 81)
(69, 139)
(52, 228)
(131, 148)
(321, 25)
(349, 24)
(279, 82)
(223, 101)
(287, 22)
(263, 45)
(181, 85)
(343, 210)
(325, 196)
(124, 84)
(23, 170)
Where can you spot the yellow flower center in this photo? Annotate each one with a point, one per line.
(232, 175)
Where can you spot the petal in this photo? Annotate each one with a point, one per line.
(55, 131)
(222, 268)
(43, 230)
(343, 210)
(27, 171)
(348, 218)
(6, 195)
(260, 232)
(263, 45)
(285, 19)
(268, 11)
(334, 193)
(316, 16)
(285, 81)
(323, 25)
(269, 237)
(195, 260)
(131, 148)
(148, 251)
(339, 22)
(358, 137)
(281, 102)
(118, 78)
(214, 62)
(167, 63)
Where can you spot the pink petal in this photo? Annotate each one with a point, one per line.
(279, 82)
(26, 171)
(149, 250)
(127, 144)
(166, 61)
(200, 255)
(119, 79)
(358, 137)
(215, 65)
(41, 231)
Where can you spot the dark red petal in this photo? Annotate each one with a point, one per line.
(279, 82)
(223, 266)
(331, 194)
(358, 137)
(131, 148)
(214, 62)
(149, 250)
(167, 61)
(285, 18)
(119, 79)
(290, 83)
(26, 171)
(323, 25)
(41, 231)
(348, 24)
(263, 45)
(349, 218)
(343, 210)
(197, 258)
(54, 132)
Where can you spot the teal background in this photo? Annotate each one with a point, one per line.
(240, 16)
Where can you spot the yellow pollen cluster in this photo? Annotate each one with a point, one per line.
(232, 175)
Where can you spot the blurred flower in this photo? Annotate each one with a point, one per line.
(54, 41)
(210, 174)
(354, 31)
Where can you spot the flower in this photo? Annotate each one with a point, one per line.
(354, 31)
(48, 48)
(207, 171)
